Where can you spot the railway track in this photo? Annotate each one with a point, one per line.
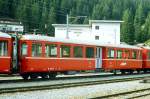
(68, 84)
(128, 95)
(20, 80)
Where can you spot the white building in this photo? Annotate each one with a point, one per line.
(11, 26)
(102, 31)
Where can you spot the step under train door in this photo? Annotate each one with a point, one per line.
(98, 63)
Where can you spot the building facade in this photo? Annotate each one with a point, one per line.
(102, 31)
(11, 26)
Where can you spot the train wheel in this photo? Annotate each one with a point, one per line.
(131, 71)
(145, 71)
(33, 76)
(122, 72)
(25, 76)
(44, 76)
(52, 75)
(114, 72)
(138, 71)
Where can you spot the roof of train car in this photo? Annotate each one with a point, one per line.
(53, 39)
(4, 35)
(146, 47)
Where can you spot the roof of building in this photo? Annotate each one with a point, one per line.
(105, 21)
(87, 25)
(71, 25)
(74, 41)
(10, 21)
(4, 35)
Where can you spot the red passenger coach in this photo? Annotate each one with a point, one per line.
(45, 55)
(5, 53)
(146, 58)
(123, 58)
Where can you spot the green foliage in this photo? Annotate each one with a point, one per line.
(147, 43)
(40, 14)
(127, 31)
(138, 21)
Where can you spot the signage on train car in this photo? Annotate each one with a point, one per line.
(123, 64)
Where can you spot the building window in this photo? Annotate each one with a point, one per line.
(96, 37)
(3, 48)
(51, 50)
(111, 53)
(90, 52)
(36, 49)
(24, 49)
(16, 29)
(119, 54)
(96, 27)
(65, 51)
(78, 52)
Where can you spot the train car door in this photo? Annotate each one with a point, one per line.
(15, 53)
(98, 63)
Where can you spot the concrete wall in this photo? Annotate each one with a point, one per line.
(109, 33)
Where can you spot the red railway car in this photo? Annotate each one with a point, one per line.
(42, 55)
(5, 53)
(36, 55)
(146, 58)
(123, 57)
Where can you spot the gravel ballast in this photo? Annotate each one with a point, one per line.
(79, 92)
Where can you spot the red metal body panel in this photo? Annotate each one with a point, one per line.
(5, 66)
(31, 64)
(5, 61)
(47, 64)
(123, 63)
(146, 61)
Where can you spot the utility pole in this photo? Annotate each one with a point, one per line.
(34, 31)
(67, 35)
(67, 19)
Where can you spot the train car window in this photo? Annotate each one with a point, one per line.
(148, 55)
(127, 54)
(78, 52)
(119, 54)
(90, 52)
(24, 49)
(140, 55)
(3, 48)
(65, 51)
(51, 50)
(111, 53)
(134, 54)
(36, 49)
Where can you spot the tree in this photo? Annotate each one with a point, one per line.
(106, 12)
(138, 21)
(51, 20)
(127, 32)
(146, 28)
(97, 12)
